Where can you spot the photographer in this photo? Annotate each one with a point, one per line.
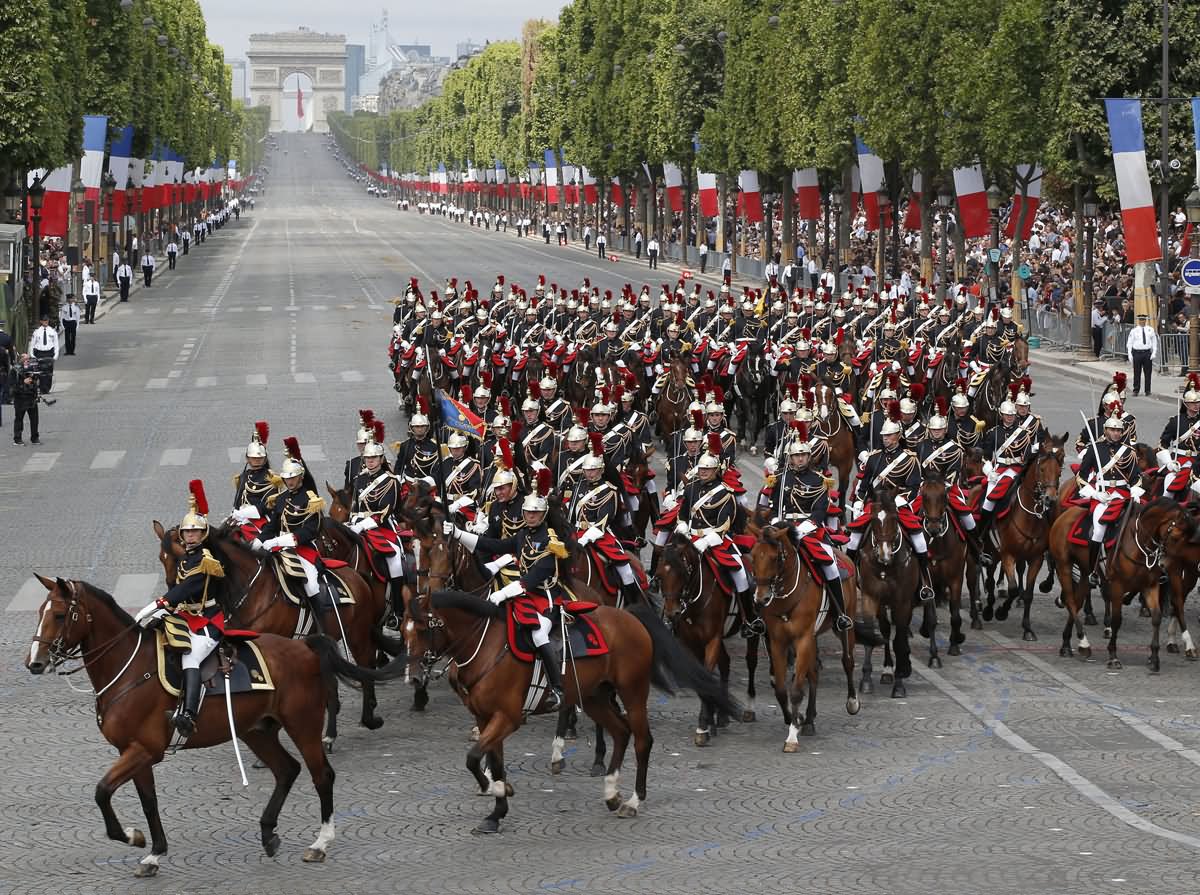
(24, 381)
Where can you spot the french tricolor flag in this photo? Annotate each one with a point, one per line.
(118, 166)
(1030, 202)
(808, 193)
(551, 176)
(91, 166)
(750, 198)
(673, 177)
(57, 201)
(590, 195)
(855, 189)
(912, 215)
(870, 171)
(616, 193)
(1196, 130)
(708, 193)
(972, 201)
(1133, 180)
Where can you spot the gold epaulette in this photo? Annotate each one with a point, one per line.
(980, 425)
(557, 547)
(316, 504)
(272, 499)
(276, 481)
(769, 481)
(210, 566)
(236, 479)
(685, 346)
(396, 445)
(829, 483)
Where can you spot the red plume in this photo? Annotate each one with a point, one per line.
(506, 406)
(412, 281)
(500, 279)
(581, 415)
(423, 404)
(794, 390)
(806, 380)
(894, 381)
(377, 425)
(702, 392)
(943, 406)
(1119, 380)
(544, 479)
(263, 430)
(894, 411)
(605, 394)
(916, 391)
(679, 318)
(1027, 384)
(803, 431)
(841, 335)
(795, 425)
(597, 441)
(1194, 380)
(535, 390)
(486, 378)
(960, 385)
(805, 333)
(1013, 388)
(292, 446)
(197, 488)
(809, 400)
(618, 393)
(467, 394)
(718, 394)
(541, 279)
(714, 444)
(366, 416)
(506, 453)
(630, 381)
(697, 420)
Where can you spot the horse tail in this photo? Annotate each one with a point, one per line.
(673, 667)
(334, 666)
(867, 635)
(393, 646)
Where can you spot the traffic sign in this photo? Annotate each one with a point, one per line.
(1023, 271)
(1191, 273)
(994, 254)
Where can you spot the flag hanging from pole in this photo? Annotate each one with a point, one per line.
(708, 193)
(674, 181)
(973, 213)
(1029, 202)
(808, 193)
(457, 416)
(1133, 180)
(912, 215)
(870, 168)
(750, 199)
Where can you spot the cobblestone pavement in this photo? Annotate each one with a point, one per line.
(1009, 771)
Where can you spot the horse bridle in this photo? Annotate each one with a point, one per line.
(896, 548)
(686, 603)
(773, 590)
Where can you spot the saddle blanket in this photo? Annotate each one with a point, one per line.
(249, 672)
(1081, 531)
(584, 635)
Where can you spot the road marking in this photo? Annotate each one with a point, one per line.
(63, 386)
(320, 307)
(175, 457)
(235, 310)
(107, 385)
(236, 454)
(1065, 772)
(29, 597)
(266, 309)
(136, 590)
(175, 374)
(352, 376)
(304, 378)
(157, 383)
(107, 459)
(179, 311)
(256, 379)
(151, 310)
(206, 381)
(41, 462)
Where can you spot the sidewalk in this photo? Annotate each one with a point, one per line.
(1099, 373)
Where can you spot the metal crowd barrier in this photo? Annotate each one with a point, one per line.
(1172, 347)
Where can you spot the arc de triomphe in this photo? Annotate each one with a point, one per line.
(272, 57)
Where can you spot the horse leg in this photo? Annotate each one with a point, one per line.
(723, 668)
(601, 748)
(989, 584)
(1113, 603)
(602, 708)
(557, 763)
(134, 759)
(885, 631)
(866, 680)
(751, 668)
(956, 635)
(491, 739)
(779, 669)
(852, 701)
(1179, 591)
(973, 596)
(1031, 573)
(805, 648)
(333, 705)
(1011, 587)
(322, 774)
(706, 721)
(1047, 584)
(903, 656)
(144, 781)
(285, 768)
(929, 630)
(1155, 606)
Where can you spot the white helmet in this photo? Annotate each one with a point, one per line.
(1113, 422)
(692, 434)
(907, 406)
(593, 461)
(937, 421)
(1008, 408)
(714, 407)
(534, 503)
(1191, 395)
(290, 469)
(483, 392)
(457, 440)
(708, 461)
(960, 400)
(418, 419)
(1023, 399)
(531, 404)
(256, 448)
(503, 477)
(373, 449)
(436, 315)
(828, 348)
(501, 422)
(548, 382)
(788, 406)
(799, 446)
(576, 433)
(601, 407)
(890, 427)
(481, 315)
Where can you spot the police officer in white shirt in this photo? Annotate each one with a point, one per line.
(91, 297)
(124, 279)
(148, 266)
(172, 254)
(44, 346)
(68, 315)
(1143, 351)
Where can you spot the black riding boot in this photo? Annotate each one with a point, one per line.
(396, 599)
(631, 594)
(926, 592)
(1094, 563)
(554, 695)
(655, 558)
(841, 621)
(977, 548)
(752, 623)
(185, 718)
(982, 543)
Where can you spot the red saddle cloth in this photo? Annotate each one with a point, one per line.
(1078, 535)
(603, 554)
(196, 622)
(587, 640)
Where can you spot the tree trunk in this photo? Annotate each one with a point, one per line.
(787, 231)
(927, 195)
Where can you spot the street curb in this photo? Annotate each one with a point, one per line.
(1090, 377)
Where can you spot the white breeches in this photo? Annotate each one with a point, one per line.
(632, 503)
(917, 539)
(395, 564)
(202, 645)
(1009, 472)
(740, 581)
(311, 586)
(651, 486)
(855, 539)
(541, 636)
(1099, 529)
(661, 537)
(967, 521)
(625, 571)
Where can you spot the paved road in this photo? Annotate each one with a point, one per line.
(1009, 771)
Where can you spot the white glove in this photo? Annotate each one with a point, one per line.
(988, 468)
(1086, 490)
(592, 534)
(366, 523)
(862, 457)
(480, 525)
(463, 501)
(701, 543)
(500, 562)
(669, 500)
(1173, 466)
(287, 539)
(448, 529)
(497, 598)
(901, 501)
(806, 527)
(770, 464)
(681, 528)
(150, 612)
(714, 538)
(509, 590)
(1136, 492)
(268, 544)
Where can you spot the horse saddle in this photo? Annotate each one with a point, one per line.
(584, 636)
(248, 670)
(331, 586)
(1081, 532)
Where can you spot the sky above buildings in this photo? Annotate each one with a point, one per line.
(442, 25)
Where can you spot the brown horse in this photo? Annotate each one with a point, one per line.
(79, 621)
(257, 602)
(673, 400)
(837, 435)
(889, 577)
(1150, 532)
(469, 633)
(697, 609)
(947, 562)
(795, 610)
(1023, 533)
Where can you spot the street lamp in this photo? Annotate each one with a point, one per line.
(78, 194)
(995, 199)
(835, 200)
(1091, 211)
(944, 201)
(37, 195)
(108, 185)
(1191, 207)
(130, 198)
(884, 204)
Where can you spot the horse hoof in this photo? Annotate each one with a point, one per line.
(597, 770)
(899, 691)
(420, 700)
(976, 625)
(791, 748)
(935, 661)
(137, 839)
(808, 730)
(556, 767)
(1028, 635)
(702, 739)
(474, 737)
(327, 742)
(866, 685)
(1001, 613)
(314, 856)
(486, 826)
(1107, 632)
(1085, 652)
(1144, 612)
(614, 803)
(1090, 619)
(145, 871)
(1173, 648)
(886, 678)
(748, 716)
(271, 845)
(627, 810)
(1064, 652)
(987, 613)
(1046, 586)
(372, 723)
(1114, 664)
(1190, 654)
(954, 650)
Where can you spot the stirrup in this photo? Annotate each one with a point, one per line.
(843, 622)
(553, 699)
(926, 593)
(184, 723)
(754, 628)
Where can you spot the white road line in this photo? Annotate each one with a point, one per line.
(41, 462)
(256, 379)
(265, 309)
(151, 310)
(1065, 772)
(235, 310)
(206, 381)
(236, 454)
(320, 307)
(136, 590)
(157, 383)
(175, 457)
(179, 310)
(304, 378)
(107, 459)
(352, 376)
(63, 387)
(107, 385)
(175, 374)
(29, 597)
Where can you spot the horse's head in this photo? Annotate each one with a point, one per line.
(1019, 356)
(935, 503)
(63, 621)
(678, 569)
(972, 465)
(1169, 524)
(768, 561)
(637, 468)
(435, 568)
(1047, 469)
(339, 503)
(170, 551)
(884, 532)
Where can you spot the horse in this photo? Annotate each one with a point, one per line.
(1018, 357)
(945, 376)
(580, 380)
(673, 400)
(1023, 532)
(1148, 533)
(697, 609)
(992, 392)
(947, 562)
(795, 611)
(835, 432)
(492, 684)
(79, 621)
(889, 577)
(256, 601)
(752, 393)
